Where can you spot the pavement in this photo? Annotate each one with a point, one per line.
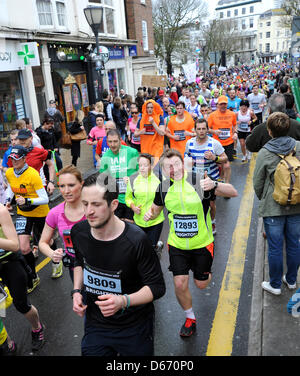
(273, 332)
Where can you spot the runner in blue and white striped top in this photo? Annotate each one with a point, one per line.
(203, 153)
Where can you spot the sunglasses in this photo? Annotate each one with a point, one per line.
(134, 113)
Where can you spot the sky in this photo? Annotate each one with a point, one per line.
(211, 6)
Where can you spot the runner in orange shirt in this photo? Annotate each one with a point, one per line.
(180, 128)
(222, 125)
(151, 129)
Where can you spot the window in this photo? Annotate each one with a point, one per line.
(45, 12)
(268, 34)
(267, 47)
(61, 16)
(108, 26)
(52, 13)
(221, 15)
(252, 9)
(269, 23)
(228, 13)
(236, 12)
(260, 36)
(251, 23)
(243, 10)
(145, 36)
(260, 48)
(243, 24)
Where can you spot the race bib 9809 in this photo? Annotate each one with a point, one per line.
(100, 282)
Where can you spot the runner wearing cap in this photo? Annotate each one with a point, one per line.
(222, 125)
(26, 186)
(161, 95)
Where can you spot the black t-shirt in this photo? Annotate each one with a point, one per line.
(120, 266)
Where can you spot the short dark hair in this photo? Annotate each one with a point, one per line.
(289, 100)
(106, 181)
(147, 156)
(180, 103)
(279, 124)
(169, 154)
(47, 120)
(200, 121)
(113, 132)
(245, 102)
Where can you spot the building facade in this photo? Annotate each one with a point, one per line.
(273, 38)
(244, 15)
(44, 54)
(140, 28)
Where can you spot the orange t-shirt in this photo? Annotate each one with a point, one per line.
(178, 128)
(224, 122)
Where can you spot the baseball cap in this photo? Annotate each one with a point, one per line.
(17, 152)
(23, 134)
(161, 92)
(222, 99)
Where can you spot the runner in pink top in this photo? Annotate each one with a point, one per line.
(63, 217)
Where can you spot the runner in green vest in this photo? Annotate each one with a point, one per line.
(187, 197)
(140, 193)
(120, 162)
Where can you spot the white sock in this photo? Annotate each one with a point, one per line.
(190, 314)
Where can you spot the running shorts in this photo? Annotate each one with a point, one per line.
(198, 260)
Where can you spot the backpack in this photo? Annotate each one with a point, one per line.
(287, 180)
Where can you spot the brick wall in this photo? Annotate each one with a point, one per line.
(136, 13)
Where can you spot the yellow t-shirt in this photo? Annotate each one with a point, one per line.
(26, 185)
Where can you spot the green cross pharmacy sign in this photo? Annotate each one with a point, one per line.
(29, 54)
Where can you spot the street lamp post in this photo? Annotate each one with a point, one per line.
(94, 17)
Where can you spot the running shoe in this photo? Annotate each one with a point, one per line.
(267, 287)
(188, 328)
(35, 251)
(35, 283)
(38, 338)
(6, 350)
(57, 270)
(290, 286)
(244, 158)
(159, 248)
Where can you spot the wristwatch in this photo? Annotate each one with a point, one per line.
(216, 183)
(76, 290)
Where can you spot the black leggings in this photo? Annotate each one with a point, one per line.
(15, 277)
(153, 232)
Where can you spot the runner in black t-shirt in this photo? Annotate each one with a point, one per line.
(119, 272)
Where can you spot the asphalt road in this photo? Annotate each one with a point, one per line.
(64, 329)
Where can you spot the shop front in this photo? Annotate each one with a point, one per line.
(70, 83)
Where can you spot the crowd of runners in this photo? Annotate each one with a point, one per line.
(169, 148)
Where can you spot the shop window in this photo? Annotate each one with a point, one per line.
(121, 79)
(11, 106)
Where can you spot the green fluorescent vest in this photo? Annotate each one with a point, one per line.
(183, 200)
(141, 191)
